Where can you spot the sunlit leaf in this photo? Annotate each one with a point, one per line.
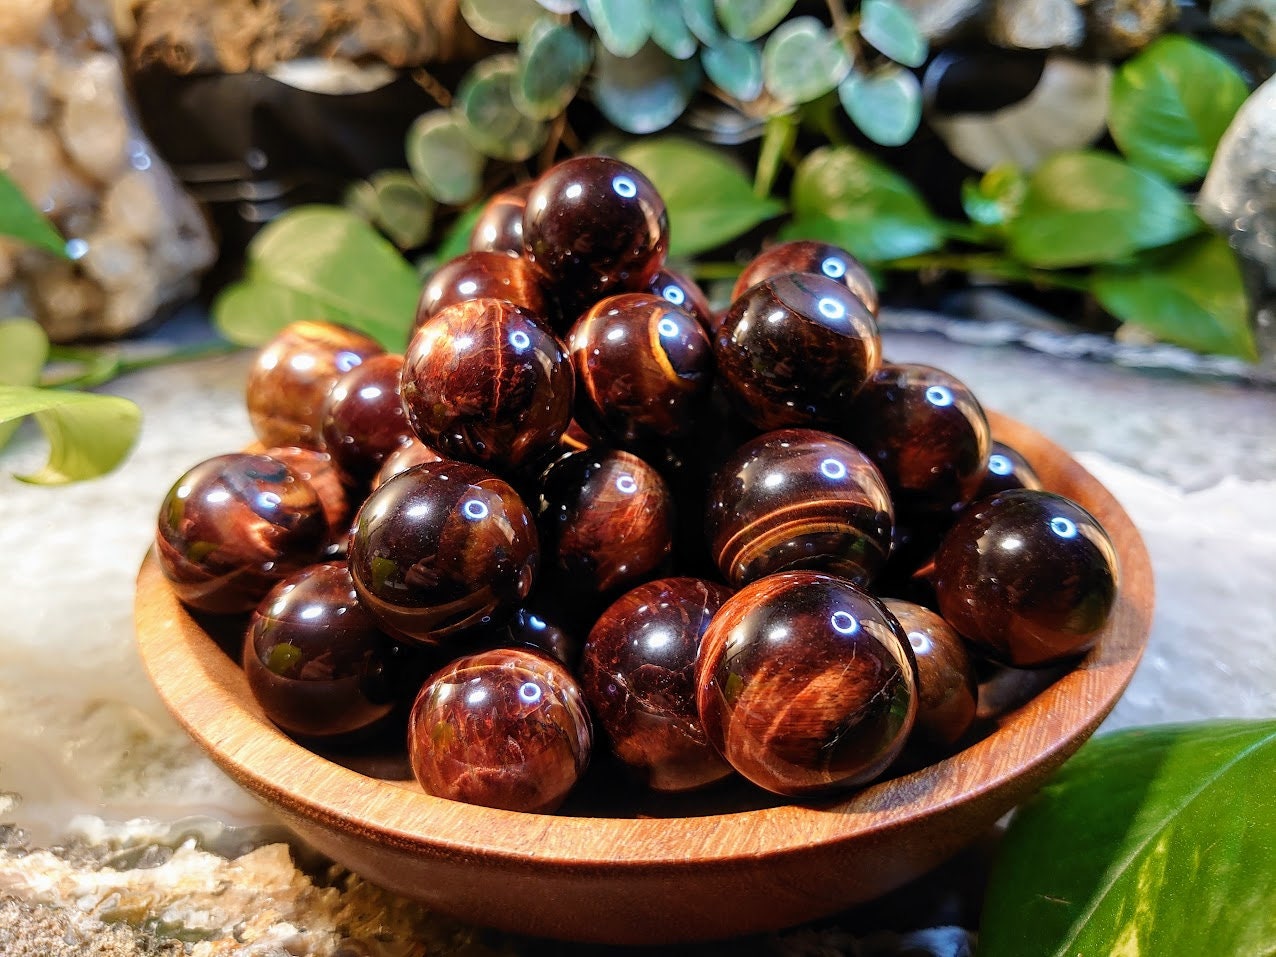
(885, 104)
(749, 19)
(443, 159)
(502, 20)
(644, 93)
(735, 66)
(24, 348)
(803, 60)
(553, 59)
(623, 26)
(891, 29)
(89, 434)
(22, 221)
(404, 212)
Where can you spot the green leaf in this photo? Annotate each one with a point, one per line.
(735, 66)
(701, 20)
(623, 26)
(885, 104)
(891, 29)
(669, 30)
(493, 122)
(320, 262)
(22, 221)
(995, 198)
(644, 93)
(1171, 104)
(844, 196)
(1151, 842)
(457, 238)
(1192, 294)
(803, 60)
(404, 211)
(24, 349)
(709, 198)
(88, 434)
(553, 59)
(443, 159)
(749, 19)
(777, 143)
(361, 199)
(501, 20)
(1089, 207)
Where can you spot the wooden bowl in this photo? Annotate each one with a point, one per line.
(645, 880)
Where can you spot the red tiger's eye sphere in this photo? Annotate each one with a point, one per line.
(684, 293)
(806, 255)
(442, 549)
(233, 526)
(1007, 469)
(481, 275)
(806, 684)
(638, 673)
(1028, 577)
(927, 433)
(595, 226)
(607, 519)
(486, 381)
(644, 368)
(315, 661)
(319, 469)
(949, 693)
(797, 498)
(363, 417)
(505, 728)
(499, 227)
(795, 349)
(292, 375)
(411, 452)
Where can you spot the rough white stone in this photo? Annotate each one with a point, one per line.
(1037, 24)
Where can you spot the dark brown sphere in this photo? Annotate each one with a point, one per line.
(644, 368)
(330, 484)
(1007, 469)
(292, 374)
(486, 381)
(798, 499)
(315, 661)
(505, 728)
(233, 526)
(949, 692)
(499, 227)
(926, 432)
(442, 550)
(806, 684)
(482, 275)
(363, 417)
(533, 627)
(1028, 577)
(412, 451)
(683, 292)
(805, 255)
(638, 673)
(795, 350)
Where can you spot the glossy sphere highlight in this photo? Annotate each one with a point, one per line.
(949, 693)
(291, 377)
(795, 349)
(499, 227)
(481, 275)
(595, 226)
(486, 381)
(806, 255)
(1007, 469)
(315, 661)
(926, 432)
(363, 417)
(798, 499)
(233, 526)
(806, 684)
(683, 292)
(1028, 577)
(504, 728)
(644, 368)
(638, 675)
(442, 549)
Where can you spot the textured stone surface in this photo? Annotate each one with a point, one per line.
(1255, 20)
(1036, 24)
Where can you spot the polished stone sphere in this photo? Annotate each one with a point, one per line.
(330, 484)
(505, 728)
(482, 275)
(412, 451)
(795, 349)
(1028, 577)
(806, 684)
(1007, 469)
(798, 499)
(499, 227)
(363, 417)
(315, 661)
(949, 693)
(442, 551)
(638, 675)
(805, 255)
(686, 294)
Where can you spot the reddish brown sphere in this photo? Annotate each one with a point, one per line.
(806, 684)
(644, 368)
(329, 483)
(499, 227)
(795, 350)
(233, 526)
(798, 499)
(505, 728)
(411, 452)
(595, 226)
(291, 377)
(442, 549)
(638, 672)
(1007, 469)
(482, 275)
(948, 691)
(683, 292)
(926, 432)
(606, 517)
(314, 659)
(486, 381)
(363, 417)
(533, 627)
(1028, 577)
(806, 255)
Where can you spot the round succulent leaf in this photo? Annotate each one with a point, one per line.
(669, 30)
(361, 199)
(553, 59)
(643, 93)
(890, 29)
(750, 19)
(623, 26)
(701, 20)
(443, 159)
(493, 122)
(501, 20)
(404, 211)
(886, 104)
(735, 67)
(803, 60)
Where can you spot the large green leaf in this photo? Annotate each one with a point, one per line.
(1152, 842)
(1089, 207)
(442, 158)
(890, 28)
(749, 19)
(1192, 295)
(22, 221)
(88, 434)
(24, 348)
(803, 60)
(844, 196)
(1171, 104)
(709, 198)
(320, 262)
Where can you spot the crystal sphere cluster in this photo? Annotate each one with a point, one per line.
(583, 516)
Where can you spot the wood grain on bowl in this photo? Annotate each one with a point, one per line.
(656, 880)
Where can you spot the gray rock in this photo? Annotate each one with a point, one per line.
(1255, 20)
(942, 20)
(1037, 24)
(1118, 28)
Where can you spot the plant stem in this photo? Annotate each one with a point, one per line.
(989, 264)
(95, 371)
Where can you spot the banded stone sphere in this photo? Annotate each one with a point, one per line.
(482, 275)
(499, 227)
(363, 417)
(805, 255)
(948, 690)
(329, 483)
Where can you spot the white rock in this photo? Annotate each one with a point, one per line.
(132, 207)
(93, 124)
(1037, 24)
